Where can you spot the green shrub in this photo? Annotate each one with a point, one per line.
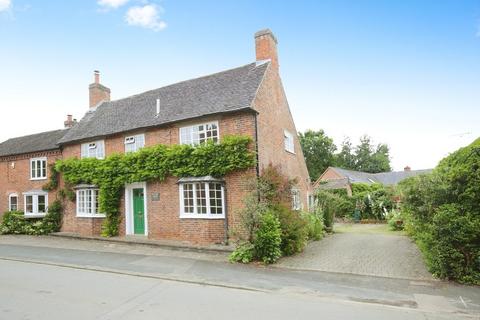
(330, 205)
(395, 220)
(14, 222)
(244, 253)
(442, 213)
(294, 230)
(271, 195)
(268, 238)
(314, 225)
(365, 187)
(454, 245)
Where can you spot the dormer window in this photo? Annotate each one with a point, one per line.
(94, 149)
(200, 133)
(134, 143)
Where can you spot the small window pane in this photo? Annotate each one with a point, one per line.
(34, 169)
(29, 204)
(96, 201)
(13, 203)
(188, 203)
(44, 169)
(41, 204)
(39, 169)
(216, 206)
(201, 198)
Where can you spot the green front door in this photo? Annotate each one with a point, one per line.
(138, 212)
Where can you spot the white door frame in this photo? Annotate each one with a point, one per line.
(129, 230)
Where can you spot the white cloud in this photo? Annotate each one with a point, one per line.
(111, 4)
(5, 5)
(147, 16)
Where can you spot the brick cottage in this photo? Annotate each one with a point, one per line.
(248, 100)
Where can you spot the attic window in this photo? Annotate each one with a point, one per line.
(134, 143)
(93, 149)
(199, 134)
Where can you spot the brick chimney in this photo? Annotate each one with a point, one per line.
(266, 47)
(98, 92)
(407, 168)
(69, 122)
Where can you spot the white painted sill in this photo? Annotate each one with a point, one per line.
(34, 215)
(85, 215)
(202, 217)
(37, 179)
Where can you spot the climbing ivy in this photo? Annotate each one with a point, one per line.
(151, 164)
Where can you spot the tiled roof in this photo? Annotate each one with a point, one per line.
(44, 141)
(385, 178)
(222, 92)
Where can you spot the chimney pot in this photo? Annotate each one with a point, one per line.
(69, 122)
(266, 47)
(96, 75)
(98, 92)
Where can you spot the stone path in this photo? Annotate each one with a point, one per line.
(365, 250)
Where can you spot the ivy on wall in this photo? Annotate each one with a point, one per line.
(149, 164)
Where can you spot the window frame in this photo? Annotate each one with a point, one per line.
(135, 139)
(296, 199)
(87, 146)
(288, 141)
(43, 168)
(10, 196)
(35, 212)
(194, 143)
(195, 214)
(94, 191)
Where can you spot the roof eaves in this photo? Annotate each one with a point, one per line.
(246, 108)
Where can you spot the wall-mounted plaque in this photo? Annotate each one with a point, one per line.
(155, 196)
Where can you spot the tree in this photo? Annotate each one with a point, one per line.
(369, 158)
(346, 157)
(318, 150)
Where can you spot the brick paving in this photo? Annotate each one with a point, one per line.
(358, 250)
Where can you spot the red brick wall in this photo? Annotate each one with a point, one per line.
(17, 179)
(273, 118)
(330, 174)
(164, 216)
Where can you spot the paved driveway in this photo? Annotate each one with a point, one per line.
(363, 249)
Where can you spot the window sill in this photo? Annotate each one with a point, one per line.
(37, 179)
(202, 217)
(291, 152)
(83, 215)
(34, 215)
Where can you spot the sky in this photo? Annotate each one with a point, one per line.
(406, 73)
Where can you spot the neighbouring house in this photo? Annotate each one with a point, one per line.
(338, 178)
(248, 100)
